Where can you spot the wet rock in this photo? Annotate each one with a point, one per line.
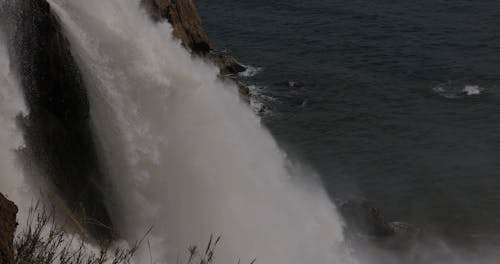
(364, 219)
(57, 131)
(227, 64)
(243, 89)
(8, 224)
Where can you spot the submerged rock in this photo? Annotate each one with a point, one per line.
(364, 219)
(8, 224)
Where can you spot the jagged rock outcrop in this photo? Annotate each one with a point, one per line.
(57, 131)
(227, 64)
(8, 224)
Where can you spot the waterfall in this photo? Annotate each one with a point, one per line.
(180, 151)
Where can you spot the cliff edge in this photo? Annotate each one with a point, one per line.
(184, 18)
(188, 27)
(8, 224)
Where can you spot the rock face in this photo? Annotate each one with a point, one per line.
(227, 64)
(57, 131)
(8, 211)
(184, 18)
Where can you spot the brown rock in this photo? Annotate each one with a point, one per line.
(184, 18)
(8, 211)
(244, 91)
(227, 64)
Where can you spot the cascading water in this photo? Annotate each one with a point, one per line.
(183, 154)
(12, 180)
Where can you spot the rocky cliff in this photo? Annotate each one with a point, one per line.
(188, 28)
(185, 21)
(8, 211)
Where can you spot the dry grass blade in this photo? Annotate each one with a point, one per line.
(43, 241)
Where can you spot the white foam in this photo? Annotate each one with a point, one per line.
(250, 71)
(453, 91)
(472, 90)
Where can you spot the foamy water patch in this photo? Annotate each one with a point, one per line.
(472, 90)
(250, 71)
(259, 101)
(453, 91)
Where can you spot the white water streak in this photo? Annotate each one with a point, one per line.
(12, 180)
(184, 155)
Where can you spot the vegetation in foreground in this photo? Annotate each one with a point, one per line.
(43, 241)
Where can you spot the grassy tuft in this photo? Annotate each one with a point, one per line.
(43, 241)
(207, 256)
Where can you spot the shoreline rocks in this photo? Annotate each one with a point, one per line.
(363, 218)
(227, 64)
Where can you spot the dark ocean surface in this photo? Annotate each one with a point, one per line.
(396, 102)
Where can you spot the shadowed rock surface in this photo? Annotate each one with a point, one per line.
(57, 131)
(8, 224)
